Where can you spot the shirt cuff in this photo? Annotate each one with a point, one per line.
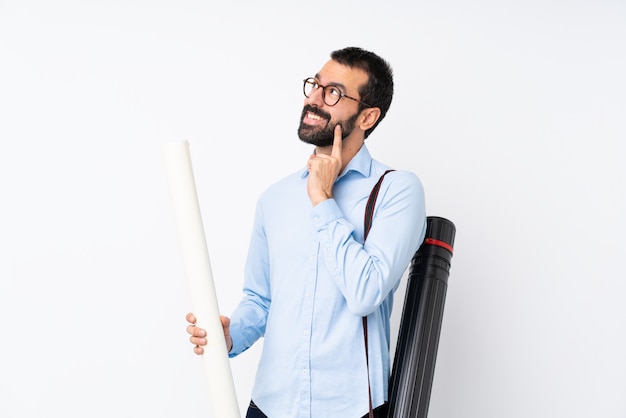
(324, 213)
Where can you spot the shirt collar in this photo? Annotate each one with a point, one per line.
(360, 163)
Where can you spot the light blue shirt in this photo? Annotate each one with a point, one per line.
(308, 281)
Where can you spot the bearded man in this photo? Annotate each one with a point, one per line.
(311, 276)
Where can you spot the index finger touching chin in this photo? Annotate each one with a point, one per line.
(338, 141)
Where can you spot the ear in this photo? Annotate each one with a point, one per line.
(369, 117)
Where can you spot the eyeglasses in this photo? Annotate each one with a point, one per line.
(330, 94)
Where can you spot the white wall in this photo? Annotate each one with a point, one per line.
(512, 113)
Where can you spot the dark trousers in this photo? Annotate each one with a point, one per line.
(255, 412)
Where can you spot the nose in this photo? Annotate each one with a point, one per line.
(315, 98)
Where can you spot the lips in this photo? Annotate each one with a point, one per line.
(313, 116)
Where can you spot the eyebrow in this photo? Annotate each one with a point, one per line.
(341, 86)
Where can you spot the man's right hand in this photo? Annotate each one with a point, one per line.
(198, 335)
(324, 170)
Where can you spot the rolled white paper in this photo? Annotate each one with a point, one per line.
(197, 265)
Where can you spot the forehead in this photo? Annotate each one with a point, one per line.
(351, 79)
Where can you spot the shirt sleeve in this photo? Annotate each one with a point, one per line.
(366, 273)
(249, 319)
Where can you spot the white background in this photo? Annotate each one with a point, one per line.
(511, 112)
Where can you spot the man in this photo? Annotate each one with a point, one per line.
(310, 277)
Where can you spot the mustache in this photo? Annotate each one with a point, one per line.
(315, 111)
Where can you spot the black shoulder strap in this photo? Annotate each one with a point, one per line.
(369, 208)
(369, 212)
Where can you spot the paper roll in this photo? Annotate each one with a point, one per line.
(197, 266)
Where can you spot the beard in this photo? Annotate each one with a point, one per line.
(323, 136)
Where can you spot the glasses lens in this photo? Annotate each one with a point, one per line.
(331, 95)
(309, 85)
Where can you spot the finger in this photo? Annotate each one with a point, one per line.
(196, 331)
(198, 341)
(337, 143)
(225, 321)
(191, 318)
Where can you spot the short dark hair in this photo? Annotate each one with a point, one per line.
(378, 91)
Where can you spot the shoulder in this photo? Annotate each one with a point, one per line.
(290, 180)
(402, 187)
(395, 178)
(285, 187)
